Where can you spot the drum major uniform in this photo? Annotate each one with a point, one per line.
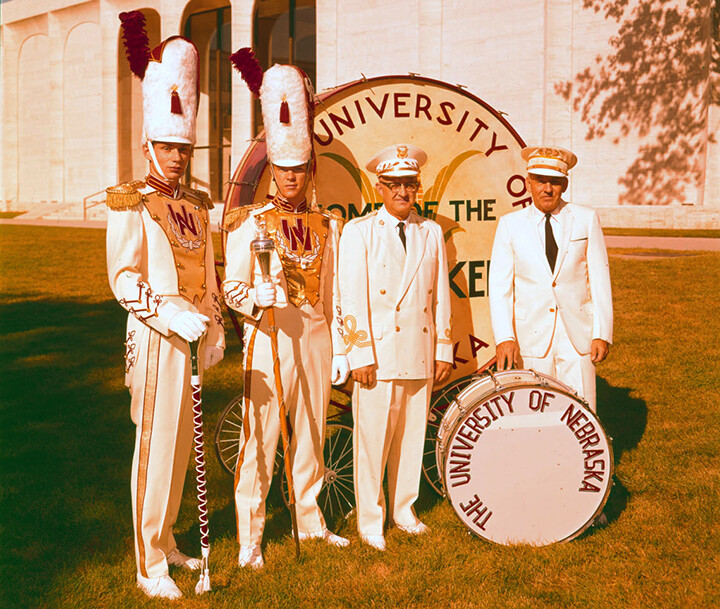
(161, 270)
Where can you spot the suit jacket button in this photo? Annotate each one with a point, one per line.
(425, 330)
(397, 308)
(382, 291)
(552, 310)
(397, 328)
(425, 310)
(430, 291)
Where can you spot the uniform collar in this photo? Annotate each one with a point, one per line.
(389, 219)
(539, 216)
(162, 186)
(284, 205)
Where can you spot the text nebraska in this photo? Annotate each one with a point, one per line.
(585, 431)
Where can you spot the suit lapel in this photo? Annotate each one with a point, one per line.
(385, 226)
(566, 217)
(536, 244)
(417, 237)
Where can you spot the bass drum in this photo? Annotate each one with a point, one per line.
(523, 460)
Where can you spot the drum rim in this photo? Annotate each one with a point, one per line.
(611, 466)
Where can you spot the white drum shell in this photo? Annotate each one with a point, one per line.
(523, 460)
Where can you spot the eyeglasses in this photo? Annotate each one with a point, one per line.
(396, 186)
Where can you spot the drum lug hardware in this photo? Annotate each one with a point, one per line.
(498, 385)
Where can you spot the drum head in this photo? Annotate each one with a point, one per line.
(473, 176)
(527, 465)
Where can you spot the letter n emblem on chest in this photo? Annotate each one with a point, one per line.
(297, 235)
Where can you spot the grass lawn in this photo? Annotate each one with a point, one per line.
(66, 444)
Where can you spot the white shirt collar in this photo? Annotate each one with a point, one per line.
(389, 219)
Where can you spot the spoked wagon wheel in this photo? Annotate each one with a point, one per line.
(337, 496)
(229, 434)
(438, 406)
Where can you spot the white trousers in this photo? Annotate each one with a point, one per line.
(305, 354)
(563, 362)
(161, 409)
(389, 430)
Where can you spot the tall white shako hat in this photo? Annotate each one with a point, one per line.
(397, 161)
(169, 75)
(548, 160)
(288, 107)
(287, 101)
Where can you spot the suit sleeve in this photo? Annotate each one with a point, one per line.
(599, 278)
(241, 272)
(125, 248)
(354, 298)
(443, 310)
(501, 284)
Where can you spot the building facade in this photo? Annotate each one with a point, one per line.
(631, 86)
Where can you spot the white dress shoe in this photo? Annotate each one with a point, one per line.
(417, 529)
(374, 541)
(251, 556)
(159, 587)
(177, 559)
(326, 535)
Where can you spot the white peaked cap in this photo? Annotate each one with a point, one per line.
(548, 160)
(173, 68)
(286, 95)
(397, 161)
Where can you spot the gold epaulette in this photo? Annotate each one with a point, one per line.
(235, 217)
(198, 197)
(124, 196)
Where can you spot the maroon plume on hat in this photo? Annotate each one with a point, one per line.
(135, 40)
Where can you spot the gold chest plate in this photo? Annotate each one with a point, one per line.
(300, 243)
(185, 226)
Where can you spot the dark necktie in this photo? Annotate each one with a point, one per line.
(551, 248)
(401, 232)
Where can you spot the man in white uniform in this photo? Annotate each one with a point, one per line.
(161, 269)
(549, 283)
(395, 299)
(304, 292)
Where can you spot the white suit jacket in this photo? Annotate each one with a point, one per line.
(395, 306)
(527, 298)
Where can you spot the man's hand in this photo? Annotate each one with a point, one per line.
(442, 371)
(508, 355)
(599, 350)
(365, 375)
(340, 369)
(188, 325)
(213, 355)
(265, 295)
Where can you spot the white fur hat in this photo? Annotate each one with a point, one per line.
(170, 92)
(286, 98)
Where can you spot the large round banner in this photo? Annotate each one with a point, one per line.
(474, 175)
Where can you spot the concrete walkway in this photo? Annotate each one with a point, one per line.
(612, 241)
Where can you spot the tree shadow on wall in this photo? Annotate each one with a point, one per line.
(658, 81)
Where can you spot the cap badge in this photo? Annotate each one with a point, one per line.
(402, 152)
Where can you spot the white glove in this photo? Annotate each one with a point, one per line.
(340, 369)
(213, 355)
(265, 294)
(188, 325)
